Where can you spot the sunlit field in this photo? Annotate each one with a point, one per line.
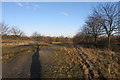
(43, 40)
(60, 60)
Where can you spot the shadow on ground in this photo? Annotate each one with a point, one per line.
(35, 66)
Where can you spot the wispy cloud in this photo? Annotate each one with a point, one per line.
(36, 6)
(28, 5)
(19, 4)
(64, 13)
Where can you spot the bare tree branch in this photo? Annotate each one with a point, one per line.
(108, 18)
(15, 31)
(5, 29)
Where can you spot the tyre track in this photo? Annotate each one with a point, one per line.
(89, 68)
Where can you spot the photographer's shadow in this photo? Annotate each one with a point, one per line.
(35, 66)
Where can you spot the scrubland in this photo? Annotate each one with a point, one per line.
(64, 60)
(69, 62)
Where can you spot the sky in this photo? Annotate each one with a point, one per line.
(47, 18)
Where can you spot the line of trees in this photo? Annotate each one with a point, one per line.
(8, 30)
(13, 32)
(37, 37)
(102, 22)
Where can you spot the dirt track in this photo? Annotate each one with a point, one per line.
(56, 62)
(27, 66)
(18, 68)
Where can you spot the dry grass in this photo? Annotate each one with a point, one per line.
(85, 63)
(13, 48)
(104, 61)
(11, 52)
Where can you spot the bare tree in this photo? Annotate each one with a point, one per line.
(94, 27)
(86, 32)
(108, 18)
(5, 29)
(83, 35)
(36, 37)
(15, 31)
(78, 38)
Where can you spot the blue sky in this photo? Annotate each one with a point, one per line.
(47, 18)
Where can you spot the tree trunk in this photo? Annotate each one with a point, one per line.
(95, 39)
(108, 42)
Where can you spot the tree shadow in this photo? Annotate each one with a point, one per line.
(35, 66)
